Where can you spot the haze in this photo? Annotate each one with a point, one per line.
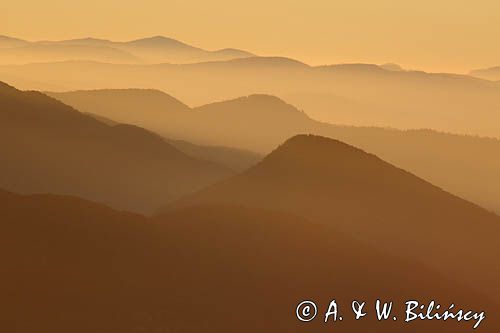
(443, 36)
(162, 157)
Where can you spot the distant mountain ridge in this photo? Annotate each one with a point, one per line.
(492, 73)
(155, 49)
(40, 53)
(351, 94)
(6, 42)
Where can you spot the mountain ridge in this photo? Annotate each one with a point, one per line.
(336, 95)
(149, 273)
(54, 148)
(435, 156)
(333, 183)
(154, 49)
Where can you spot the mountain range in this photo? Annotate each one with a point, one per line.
(226, 260)
(157, 49)
(49, 147)
(330, 182)
(263, 183)
(349, 94)
(464, 165)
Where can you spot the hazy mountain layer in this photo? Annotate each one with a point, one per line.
(151, 109)
(40, 53)
(156, 49)
(366, 95)
(492, 73)
(464, 165)
(48, 147)
(234, 159)
(8, 42)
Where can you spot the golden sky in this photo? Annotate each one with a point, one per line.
(439, 35)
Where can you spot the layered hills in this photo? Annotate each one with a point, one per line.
(163, 114)
(351, 94)
(72, 265)
(464, 165)
(157, 49)
(332, 183)
(129, 210)
(49, 147)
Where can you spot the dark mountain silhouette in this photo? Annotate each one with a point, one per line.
(492, 73)
(155, 49)
(464, 165)
(330, 182)
(48, 147)
(352, 94)
(69, 265)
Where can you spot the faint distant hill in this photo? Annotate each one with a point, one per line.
(8, 42)
(274, 63)
(230, 53)
(33, 53)
(464, 165)
(156, 49)
(49, 147)
(163, 49)
(351, 94)
(327, 181)
(492, 73)
(392, 67)
(69, 265)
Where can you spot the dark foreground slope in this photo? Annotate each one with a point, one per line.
(69, 265)
(48, 147)
(336, 184)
